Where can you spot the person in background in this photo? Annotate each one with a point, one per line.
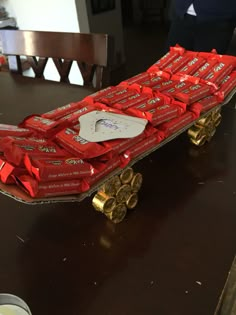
(202, 25)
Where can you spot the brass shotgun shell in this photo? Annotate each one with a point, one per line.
(136, 182)
(126, 175)
(103, 203)
(118, 213)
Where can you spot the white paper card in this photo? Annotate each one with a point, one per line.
(99, 126)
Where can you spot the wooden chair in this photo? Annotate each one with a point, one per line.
(92, 52)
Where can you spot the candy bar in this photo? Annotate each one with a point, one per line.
(73, 118)
(131, 101)
(64, 110)
(58, 169)
(53, 188)
(12, 130)
(8, 171)
(219, 72)
(205, 68)
(176, 124)
(117, 96)
(192, 66)
(44, 126)
(194, 93)
(227, 85)
(14, 152)
(73, 143)
(208, 102)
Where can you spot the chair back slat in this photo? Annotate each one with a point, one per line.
(90, 51)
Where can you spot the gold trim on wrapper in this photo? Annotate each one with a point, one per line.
(123, 193)
(118, 213)
(132, 201)
(126, 175)
(103, 203)
(136, 182)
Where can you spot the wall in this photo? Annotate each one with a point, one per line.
(108, 22)
(44, 15)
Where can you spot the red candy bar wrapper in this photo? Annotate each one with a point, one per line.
(73, 143)
(192, 66)
(12, 130)
(177, 124)
(117, 96)
(176, 64)
(163, 113)
(208, 102)
(164, 85)
(21, 141)
(73, 118)
(150, 104)
(139, 148)
(205, 68)
(164, 61)
(14, 153)
(154, 81)
(64, 110)
(96, 97)
(194, 93)
(58, 169)
(120, 145)
(8, 171)
(131, 101)
(53, 188)
(141, 77)
(227, 85)
(219, 72)
(176, 88)
(196, 109)
(44, 126)
(103, 169)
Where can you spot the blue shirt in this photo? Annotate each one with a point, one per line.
(208, 9)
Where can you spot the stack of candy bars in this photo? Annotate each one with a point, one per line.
(46, 157)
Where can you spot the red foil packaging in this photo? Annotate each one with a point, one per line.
(117, 96)
(164, 61)
(139, 148)
(219, 72)
(8, 171)
(73, 118)
(131, 101)
(53, 188)
(205, 68)
(120, 145)
(148, 105)
(73, 143)
(12, 130)
(14, 152)
(103, 169)
(141, 77)
(96, 97)
(64, 110)
(208, 102)
(163, 113)
(177, 124)
(227, 85)
(58, 169)
(194, 93)
(192, 66)
(44, 126)
(176, 88)
(164, 85)
(176, 64)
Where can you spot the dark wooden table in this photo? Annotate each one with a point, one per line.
(170, 256)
